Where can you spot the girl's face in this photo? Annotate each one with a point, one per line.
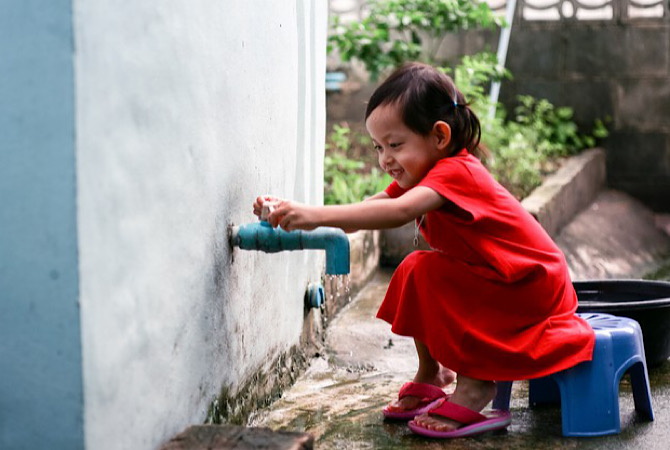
(404, 154)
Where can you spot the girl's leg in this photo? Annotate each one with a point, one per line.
(471, 393)
(430, 371)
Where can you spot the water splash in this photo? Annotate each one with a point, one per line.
(337, 288)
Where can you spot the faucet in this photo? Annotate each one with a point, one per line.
(261, 236)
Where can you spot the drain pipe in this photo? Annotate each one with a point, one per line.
(503, 44)
(261, 236)
(315, 296)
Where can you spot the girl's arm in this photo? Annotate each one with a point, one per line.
(258, 203)
(383, 212)
(378, 196)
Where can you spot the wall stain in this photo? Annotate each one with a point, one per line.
(262, 388)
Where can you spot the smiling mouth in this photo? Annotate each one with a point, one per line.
(395, 173)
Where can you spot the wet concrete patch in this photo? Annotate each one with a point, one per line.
(348, 416)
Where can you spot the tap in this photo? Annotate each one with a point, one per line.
(261, 236)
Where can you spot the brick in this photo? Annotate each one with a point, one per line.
(636, 155)
(594, 51)
(647, 51)
(617, 52)
(589, 99)
(644, 104)
(535, 53)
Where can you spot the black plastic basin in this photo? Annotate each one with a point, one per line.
(646, 301)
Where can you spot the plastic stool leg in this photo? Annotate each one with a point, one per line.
(589, 400)
(543, 391)
(503, 394)
(639, 381)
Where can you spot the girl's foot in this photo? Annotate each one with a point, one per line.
(470, 393)
(442, 377)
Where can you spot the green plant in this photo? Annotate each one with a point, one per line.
(346, 183)
(395, 31)
(348, 180)
(516, 163)
(527, 147)
(339, 138)
(475, 73)
(555, 132)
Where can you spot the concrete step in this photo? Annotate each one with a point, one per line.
(614, 237)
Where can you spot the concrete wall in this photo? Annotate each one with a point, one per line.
(178, 115)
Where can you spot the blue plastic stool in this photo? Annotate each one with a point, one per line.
(589, 392)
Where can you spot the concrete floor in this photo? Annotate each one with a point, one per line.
(340, 397)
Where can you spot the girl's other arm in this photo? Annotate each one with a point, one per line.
(378, 196)
(383, 212)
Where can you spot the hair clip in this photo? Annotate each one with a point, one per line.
(455, 104)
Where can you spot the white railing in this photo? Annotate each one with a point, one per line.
(544, 10)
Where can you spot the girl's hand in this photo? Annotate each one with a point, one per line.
(293, 216)
(267, 200)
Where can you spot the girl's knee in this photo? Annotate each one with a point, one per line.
(419, 259)
(411, 260)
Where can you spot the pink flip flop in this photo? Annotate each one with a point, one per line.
(473, 422)
(430, 395)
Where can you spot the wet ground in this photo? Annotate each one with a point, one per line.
(362, 366)
(339, 399)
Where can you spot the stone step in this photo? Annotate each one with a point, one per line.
(233, 437)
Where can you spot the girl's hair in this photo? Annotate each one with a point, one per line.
(426, 95)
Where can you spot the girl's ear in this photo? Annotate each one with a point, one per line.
(442, 132)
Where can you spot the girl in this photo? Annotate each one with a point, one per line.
(493, 300)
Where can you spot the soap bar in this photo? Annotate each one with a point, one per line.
(268, 207)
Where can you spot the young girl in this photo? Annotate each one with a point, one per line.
(493, 300)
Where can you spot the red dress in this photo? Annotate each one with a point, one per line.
(493, 300)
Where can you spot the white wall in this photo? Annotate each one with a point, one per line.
(185, 112)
